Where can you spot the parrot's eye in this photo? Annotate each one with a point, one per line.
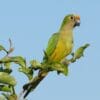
(71, 17)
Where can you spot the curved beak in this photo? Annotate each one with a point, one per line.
(77, 21)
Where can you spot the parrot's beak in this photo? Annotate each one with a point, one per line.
(77, 21)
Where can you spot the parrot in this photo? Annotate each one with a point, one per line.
(59, 46)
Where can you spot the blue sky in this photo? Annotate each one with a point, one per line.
(30, 23)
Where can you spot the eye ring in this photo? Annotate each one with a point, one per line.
(72, 17)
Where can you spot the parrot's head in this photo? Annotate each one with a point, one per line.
(71, 21)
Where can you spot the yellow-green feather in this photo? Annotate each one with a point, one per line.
(59, 46)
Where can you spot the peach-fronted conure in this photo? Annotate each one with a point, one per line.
(60, 44)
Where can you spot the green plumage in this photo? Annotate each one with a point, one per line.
(61, 43)
(52, 44)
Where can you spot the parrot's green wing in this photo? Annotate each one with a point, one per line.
(51, 45)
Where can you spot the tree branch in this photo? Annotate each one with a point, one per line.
(8, 82)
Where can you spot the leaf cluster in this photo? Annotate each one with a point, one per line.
(8, 81)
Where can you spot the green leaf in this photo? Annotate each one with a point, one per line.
(5, 60)
(2, 48)
(27, 71)
(60, 68)
(65, 70)
(5, 96)
(5, 70)
(2, 98)
(5, 78)
(7, 65)
(79, 52)
(5, 88)
(35, 64)
(13, 97)
(19, 60)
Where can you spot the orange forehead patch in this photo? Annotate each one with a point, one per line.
(77, 17)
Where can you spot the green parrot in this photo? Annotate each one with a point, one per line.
(60, 44)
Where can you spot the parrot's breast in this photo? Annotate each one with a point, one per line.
(63, 48)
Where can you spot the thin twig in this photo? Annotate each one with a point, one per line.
(27, 88)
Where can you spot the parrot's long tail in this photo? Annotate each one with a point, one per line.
(27, 88)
